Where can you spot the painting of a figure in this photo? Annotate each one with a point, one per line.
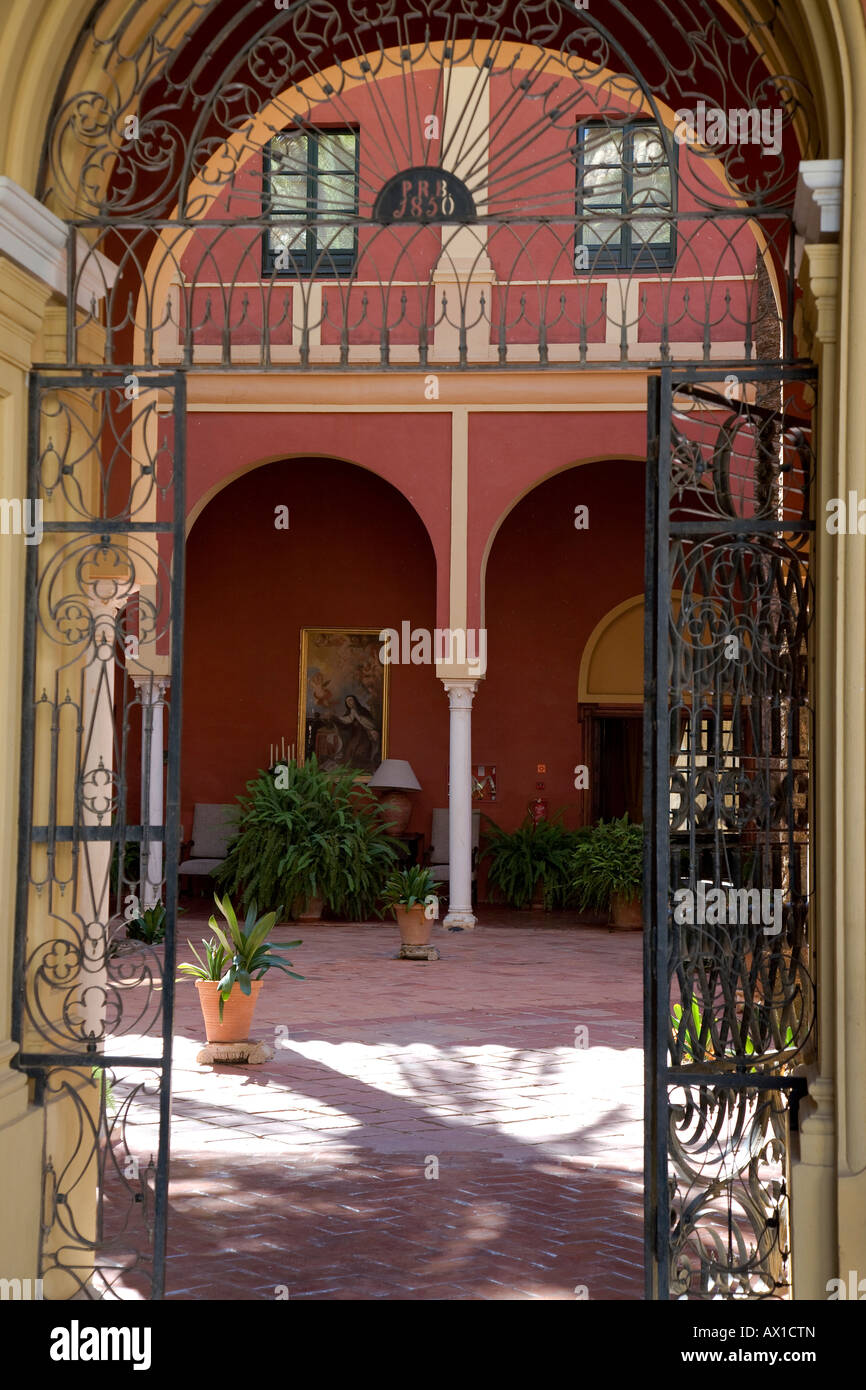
(343, 705)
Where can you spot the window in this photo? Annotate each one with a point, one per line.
(707, 768)
(310, 189)
(624, 198)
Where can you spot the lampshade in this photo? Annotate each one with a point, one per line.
(395, 774)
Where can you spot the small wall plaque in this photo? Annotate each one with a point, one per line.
(424, 194)
(483, 782)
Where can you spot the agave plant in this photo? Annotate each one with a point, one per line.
(310, 834)
(537, 853)
(691, 1031)
(148, 926)
(239, 955)
(406, 887)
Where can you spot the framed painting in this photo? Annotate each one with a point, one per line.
(343, 698)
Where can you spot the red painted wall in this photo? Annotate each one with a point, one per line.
(509, 453)
(355, 555)
(548, 585)
(531, 168)
(411, 453)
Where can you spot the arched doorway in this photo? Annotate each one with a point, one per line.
(252, 588)
(559, 280)
(610, 691)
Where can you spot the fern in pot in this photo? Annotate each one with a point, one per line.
(308, 838)
(607, 871)
(531, 866)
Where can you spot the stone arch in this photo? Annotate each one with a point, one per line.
(524, 493)
(249, 466)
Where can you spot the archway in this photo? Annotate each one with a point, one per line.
(352, 554)
(567, 552)
(115, 227)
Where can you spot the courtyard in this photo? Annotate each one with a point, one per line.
(469, 1128)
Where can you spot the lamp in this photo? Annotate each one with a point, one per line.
(396, 777)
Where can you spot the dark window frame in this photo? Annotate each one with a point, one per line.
(314, 261)
(626, 256)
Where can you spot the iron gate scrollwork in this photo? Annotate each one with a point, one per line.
(544, 261)
(102, 666)
(730, 1000)
(591, 232)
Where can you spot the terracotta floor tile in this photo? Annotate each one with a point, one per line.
(309, 1172)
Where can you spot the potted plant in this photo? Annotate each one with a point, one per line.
(607, 871)
(412, 895)
(148, 926)
(308, 836)
(533, 863)
(241, 956)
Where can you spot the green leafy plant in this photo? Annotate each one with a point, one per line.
(406, 887)
(148, 926)
(537, 853)
(692, 1048)
(101, 1077)
(306, 833)
(606, 861)
(131, 865)
(239, 955)
(696, 1049)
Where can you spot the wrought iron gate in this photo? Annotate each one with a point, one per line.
(103, 648)
(729, 989)
(201, 238)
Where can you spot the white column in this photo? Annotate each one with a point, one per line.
(97, 769)
(152, 692)
(98, 798)
(461, 693)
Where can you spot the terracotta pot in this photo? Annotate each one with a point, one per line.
(308, 909)
(396, 809)
(414, 927)
(626, 913)
(238, 1011)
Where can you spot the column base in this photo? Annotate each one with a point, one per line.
(460, 919)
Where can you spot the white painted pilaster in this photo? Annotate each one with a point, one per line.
(152, 691)
(461, 693)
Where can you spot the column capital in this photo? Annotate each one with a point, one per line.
(460, 693)
(818, 1122)
(22, 307)
(818, 199)
(153, 686)
(817, 315)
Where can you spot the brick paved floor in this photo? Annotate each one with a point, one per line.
(511, 1067)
